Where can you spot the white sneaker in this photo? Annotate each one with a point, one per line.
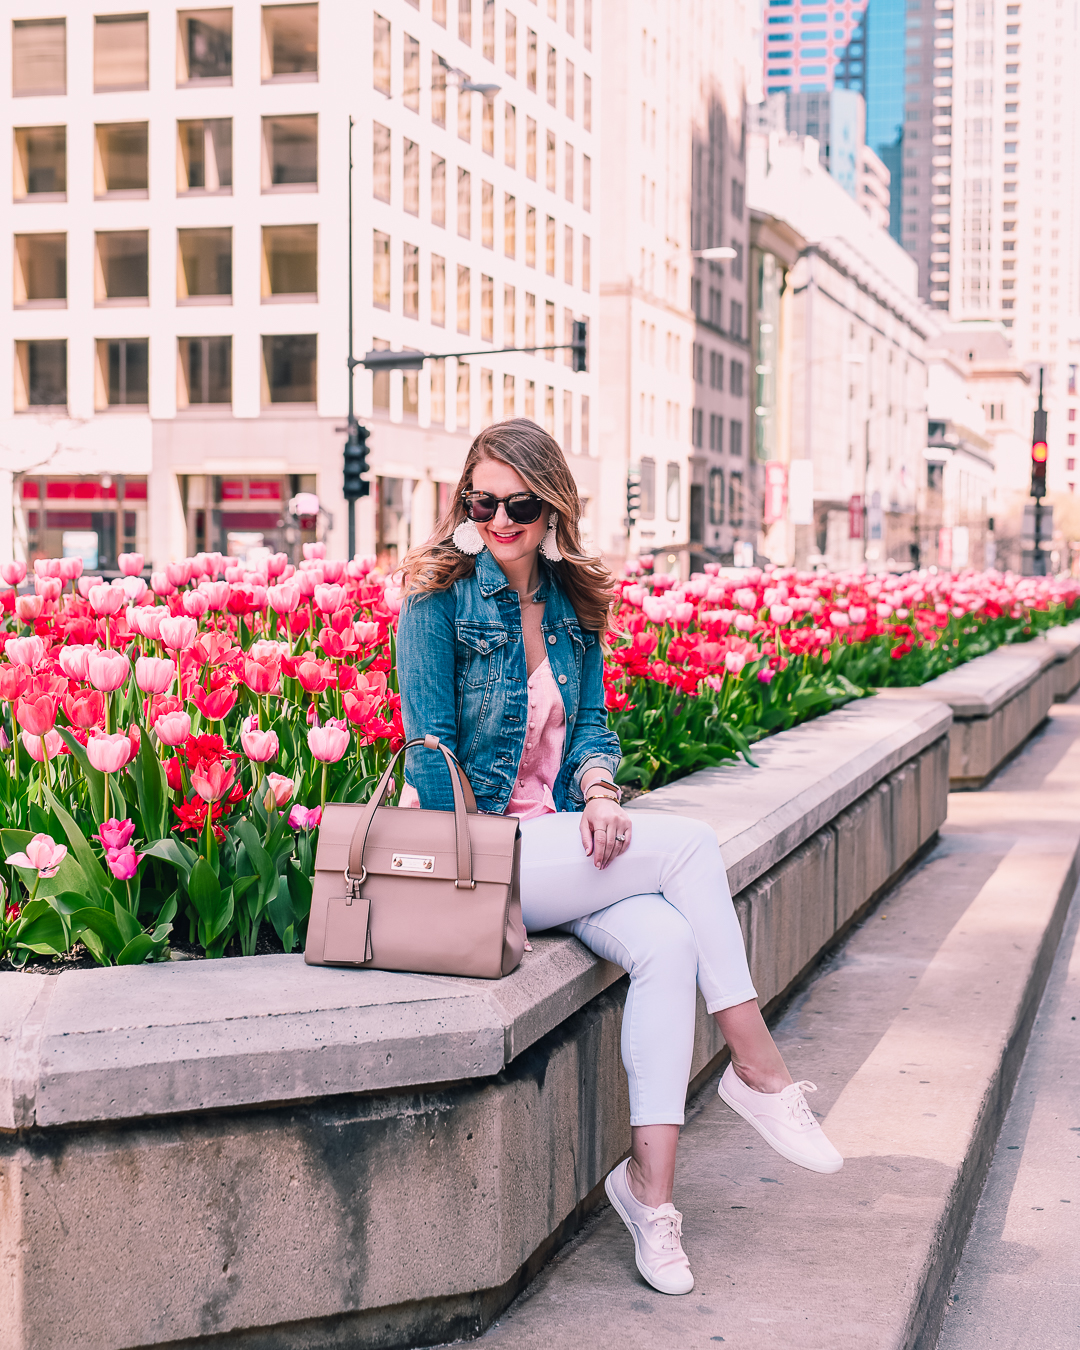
(784, 1120)
(657, 1235)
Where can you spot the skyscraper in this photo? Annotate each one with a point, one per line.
(806, 41)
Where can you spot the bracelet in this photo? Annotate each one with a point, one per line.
(600, 796)
(611, 787)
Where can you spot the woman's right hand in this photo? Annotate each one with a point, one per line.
(605, 830)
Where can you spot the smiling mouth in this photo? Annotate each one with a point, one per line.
(505, 538)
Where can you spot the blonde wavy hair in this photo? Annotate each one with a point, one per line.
(537, 458)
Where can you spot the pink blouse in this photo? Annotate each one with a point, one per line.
(542, 756)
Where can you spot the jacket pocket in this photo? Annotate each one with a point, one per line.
(482, 652)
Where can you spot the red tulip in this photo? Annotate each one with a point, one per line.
(214, 704)
(85, 710)
(212, 779)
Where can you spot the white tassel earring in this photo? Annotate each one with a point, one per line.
(549, 546)
(467, 539)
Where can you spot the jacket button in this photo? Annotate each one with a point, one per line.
(551, 639)
(562, 679)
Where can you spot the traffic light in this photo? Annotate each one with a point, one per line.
(633, 496)
(356, 463)
(1038, 455)
(580, 344)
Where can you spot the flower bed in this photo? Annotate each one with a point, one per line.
(168, 747)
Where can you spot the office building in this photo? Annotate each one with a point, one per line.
(177, 329)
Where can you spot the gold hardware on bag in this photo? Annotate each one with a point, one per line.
(412, 862)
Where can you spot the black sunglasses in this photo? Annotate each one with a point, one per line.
(523, 508)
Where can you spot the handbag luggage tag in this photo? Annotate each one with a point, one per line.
(347, 939)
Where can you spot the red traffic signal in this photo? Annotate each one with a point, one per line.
(1038, 452)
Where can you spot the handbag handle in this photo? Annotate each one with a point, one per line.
(464, 802)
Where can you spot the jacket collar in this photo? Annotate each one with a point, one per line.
(491, 578)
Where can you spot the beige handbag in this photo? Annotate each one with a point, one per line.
(434, 892)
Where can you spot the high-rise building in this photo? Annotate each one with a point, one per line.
(177, 335)
(674, 348)
(805, 43)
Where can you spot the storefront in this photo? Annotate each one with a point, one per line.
(93, 518)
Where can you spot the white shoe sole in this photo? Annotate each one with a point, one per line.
(616, 1204)
(800, 1160)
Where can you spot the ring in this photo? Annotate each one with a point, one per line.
(621, 838)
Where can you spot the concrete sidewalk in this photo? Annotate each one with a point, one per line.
(914, 1032)
(1019, 1282)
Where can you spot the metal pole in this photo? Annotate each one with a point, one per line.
(351, 505)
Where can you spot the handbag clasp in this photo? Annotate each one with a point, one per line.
(353, 884)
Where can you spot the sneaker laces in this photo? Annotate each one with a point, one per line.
(798, 1107)
(667, 1222)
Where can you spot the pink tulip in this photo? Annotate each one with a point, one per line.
(746, 597)
(857, 614)
(780, 614)
(29, 607)
(13, 573)
(71, 569)
(116, 833)
(48, 588)
(86, 584)
(123, 862)
(46, 567)
(196, 603)
(134, 589)
(107, 670)
(314, 551)
(216, 592)
(280, 789)
(303, 818)
(154, 675)
(329, 599)
(179, 574)
(26, 651)
(179, 632)
(734, 662)
(150, 617)
(839, 619)
(276, 564)
(106, 600)
(108, 754)
(284, 598)
(43, 854)
(744, 623)
(75, 662)
(173, 728)
(259, 746)
(366, 633)
(54, 745)
(160, 584)
(131, 564)
(212, 779)
(328, 743)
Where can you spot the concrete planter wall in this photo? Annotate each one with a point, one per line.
(273, 1155)
(999, 699)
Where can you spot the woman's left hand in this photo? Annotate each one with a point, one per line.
(605, 830)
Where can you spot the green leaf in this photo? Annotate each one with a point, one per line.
(264, 864)
(69, 876)
(300, 890)
(103, 925)
(95, 779)
(173, 851)
(41, 929)
(137, 950)
(282, 915)
(127, 923)
(97, 883)
(214, 907)
(153, 789)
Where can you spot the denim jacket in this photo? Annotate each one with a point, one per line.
(462, 675)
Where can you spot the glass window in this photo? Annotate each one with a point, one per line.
(586, 102)
(568, 172)
(121, 52)
(530, 148)
(205, 370)
(489, 30)
(410, 95)
(122, 273)
(586, 27)
(567, 422)
(41, 374)
(568, 260)
(121, 159)
(463, 412)
(735, 500)
(735, 437)
(530, 60)
(550, 161)
(673, 497)
(487, 215)
(380, 162)
(549, 410)
(549, 247)
(510, 54)
(204, 155)
(487, 309)
(438, 12)
(464, 203)
(380, 270)
(290, 42)
(290, 262)
(570, 90)
(509, 316)
(411, 178)
(204, 266)
(380, 54)
(438, 90)
(291, 153)
(40, 162)
(648, 489)
(204, 45)
(41, 271)
(586, 263)
(510, 226)
(716, 496)
(488, 136)
(584, 424)
(123, 373)
(438, 190)
(38, 58)
(289, 368)
(410, 281)
(552, 62)
(438, 290)
(437, 370)
(530, 321)
(465, 22)
(549, 329)
(509, 396)
(464, 299)
(510, 135)
(464, 115)
(530, 236)
(586, 182)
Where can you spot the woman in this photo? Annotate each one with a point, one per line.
(500, 656)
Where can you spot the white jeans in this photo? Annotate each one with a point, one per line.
(662, 911)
